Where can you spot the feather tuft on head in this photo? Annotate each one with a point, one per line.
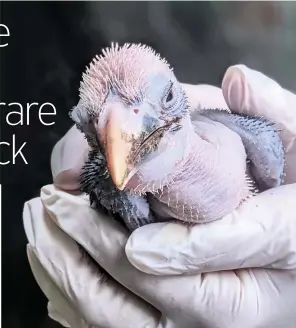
(123, 68)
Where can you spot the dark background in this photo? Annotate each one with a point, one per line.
(49, 47)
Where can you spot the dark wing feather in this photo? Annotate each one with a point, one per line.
(95, 181)
(261, 140)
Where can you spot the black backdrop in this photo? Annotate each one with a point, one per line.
(49, 47)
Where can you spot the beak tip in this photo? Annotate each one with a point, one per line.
(118, 182)
(117, 178)
(118, 150)
(120, 187)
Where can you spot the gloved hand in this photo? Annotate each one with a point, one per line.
(261, 234)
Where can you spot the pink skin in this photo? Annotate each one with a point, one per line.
(66, 164)
(210, 187)
(240, 91)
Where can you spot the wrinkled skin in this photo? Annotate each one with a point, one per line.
(235, 272)
(152, 161)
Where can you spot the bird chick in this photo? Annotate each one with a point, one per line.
(152, 159)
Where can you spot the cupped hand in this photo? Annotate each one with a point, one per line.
(261, 234)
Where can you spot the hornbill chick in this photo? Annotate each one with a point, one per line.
(152, 158)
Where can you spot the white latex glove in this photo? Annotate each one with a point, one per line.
(261, 233)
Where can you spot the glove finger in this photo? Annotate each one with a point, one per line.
(53, 294)
(55, 315)
(260, 233)
(67, 159)
(188, 300)
(250, 92)
(204, 96)
(99, 300)
(105, 240)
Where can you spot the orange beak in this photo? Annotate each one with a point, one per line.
(128, 132)
(117, 151)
